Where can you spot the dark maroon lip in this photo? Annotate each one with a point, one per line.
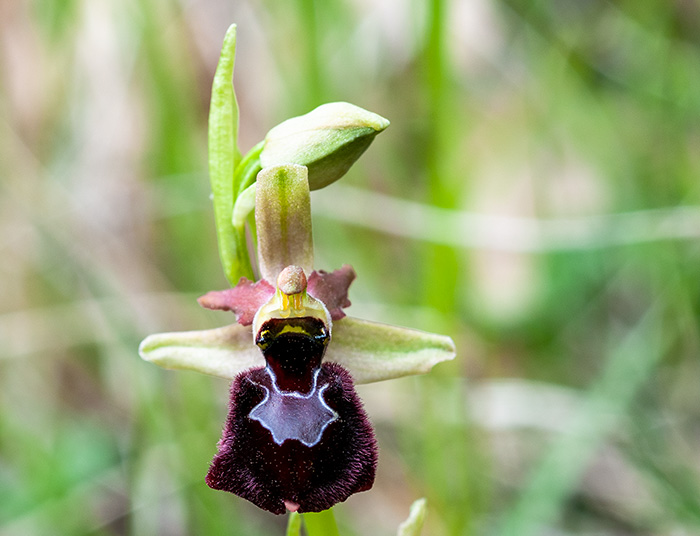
(296, 432)
(250, 464)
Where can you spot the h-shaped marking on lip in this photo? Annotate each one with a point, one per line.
(294, 415)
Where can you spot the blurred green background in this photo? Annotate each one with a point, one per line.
(537, 198)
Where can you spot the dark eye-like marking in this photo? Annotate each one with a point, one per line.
(264, 338)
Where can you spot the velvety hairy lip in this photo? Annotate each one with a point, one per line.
(249, 463)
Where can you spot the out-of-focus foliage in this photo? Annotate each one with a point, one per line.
(536, 198)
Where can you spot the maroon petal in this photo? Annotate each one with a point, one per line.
(252, 465)
(332, 289)
(244, 299)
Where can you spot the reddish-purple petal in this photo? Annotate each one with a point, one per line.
(244, 299)
(332, 289)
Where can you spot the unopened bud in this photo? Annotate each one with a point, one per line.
(327, 141)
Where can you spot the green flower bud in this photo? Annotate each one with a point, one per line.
(327, 140)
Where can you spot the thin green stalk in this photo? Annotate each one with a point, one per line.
(441, 107)
(294, 524)
(313, 81)
(247, 169)
(244, 203)
(321, 524)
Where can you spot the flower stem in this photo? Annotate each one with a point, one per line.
(321, 524)
(247, 169)
(293, 524)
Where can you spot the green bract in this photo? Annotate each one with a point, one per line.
(223, 159)
(326, 140)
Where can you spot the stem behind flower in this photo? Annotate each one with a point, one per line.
(321, 523)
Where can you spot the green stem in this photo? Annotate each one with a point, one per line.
(321, 524)
(246, 172)
(294, 524)
(247, 169)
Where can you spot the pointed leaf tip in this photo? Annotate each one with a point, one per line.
(416, 517)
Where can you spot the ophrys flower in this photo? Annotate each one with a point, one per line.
(296, 436)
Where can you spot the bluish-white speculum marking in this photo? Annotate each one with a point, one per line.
(293, 415)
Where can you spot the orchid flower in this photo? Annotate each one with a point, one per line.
(296, 437)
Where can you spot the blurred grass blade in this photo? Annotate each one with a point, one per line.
(416, 517)
(629, 365)
(223, 157)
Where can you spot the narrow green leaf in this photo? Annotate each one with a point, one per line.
(222, 352)
(223, 155)
(416, 517)
(374, 352)
(321, 523)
